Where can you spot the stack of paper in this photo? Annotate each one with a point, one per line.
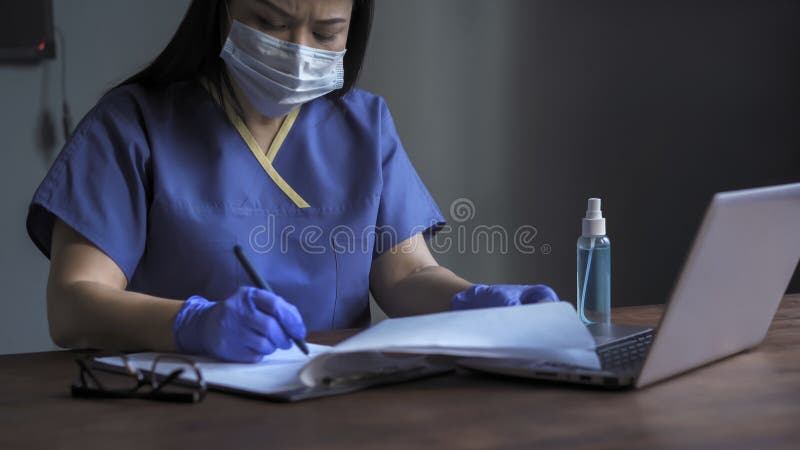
(548, 332)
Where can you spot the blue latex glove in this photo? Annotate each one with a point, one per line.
(489, 295)
(248, 325)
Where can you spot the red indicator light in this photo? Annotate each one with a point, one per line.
(40, 47)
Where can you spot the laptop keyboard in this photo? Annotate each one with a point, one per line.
(627, 354)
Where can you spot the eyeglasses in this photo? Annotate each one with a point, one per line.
(132, 383)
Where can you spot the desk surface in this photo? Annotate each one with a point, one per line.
(750, 401)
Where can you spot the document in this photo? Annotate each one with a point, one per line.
(550, 332)
(276, 372)
(402, 349)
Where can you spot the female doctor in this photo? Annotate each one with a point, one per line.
(246, 130)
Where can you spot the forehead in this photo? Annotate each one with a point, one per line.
(308, 9)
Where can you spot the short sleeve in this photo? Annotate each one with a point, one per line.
(406, 207)
(97, 184)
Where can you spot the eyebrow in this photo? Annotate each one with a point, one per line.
(332, 21)
(286, 14)
(275, 8)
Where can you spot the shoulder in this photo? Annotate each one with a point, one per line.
(133, 110)
(357, 102)
(139, 102)
(358, 108)
(361, 102)
(120, 104)
(359, 99)
(121, 108)
(115, 122)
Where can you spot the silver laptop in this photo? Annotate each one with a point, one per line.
(723, 302)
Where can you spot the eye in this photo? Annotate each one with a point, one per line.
(270, 25)
(323, 37)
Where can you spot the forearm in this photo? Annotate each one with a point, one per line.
(86, 314)
(424, 291)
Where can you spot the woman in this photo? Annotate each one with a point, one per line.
(246, 130)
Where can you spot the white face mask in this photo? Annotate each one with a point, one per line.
(278, 76)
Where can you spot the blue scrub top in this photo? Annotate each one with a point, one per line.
(164, 183)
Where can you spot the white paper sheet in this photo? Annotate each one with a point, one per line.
(549, 332)
(275, 373)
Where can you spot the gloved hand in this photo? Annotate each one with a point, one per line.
(251, 323)
(486, 296)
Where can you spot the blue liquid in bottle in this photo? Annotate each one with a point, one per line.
(594, 267)
(594, 279)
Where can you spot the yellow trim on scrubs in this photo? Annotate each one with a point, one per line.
(280, 136)
(265, 159)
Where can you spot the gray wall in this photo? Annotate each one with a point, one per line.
(105, 40)
(524, 108)
(530, 107)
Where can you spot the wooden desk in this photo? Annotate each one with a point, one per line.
(751, 401)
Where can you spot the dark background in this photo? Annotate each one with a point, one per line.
(530, 107)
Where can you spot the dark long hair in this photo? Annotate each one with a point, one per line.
(194, 49)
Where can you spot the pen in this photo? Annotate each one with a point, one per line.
(262, 284)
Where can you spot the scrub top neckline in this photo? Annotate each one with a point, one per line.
(264, 158)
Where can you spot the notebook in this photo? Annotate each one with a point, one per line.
(401, 349)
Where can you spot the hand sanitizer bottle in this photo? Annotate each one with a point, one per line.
(594, 267)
